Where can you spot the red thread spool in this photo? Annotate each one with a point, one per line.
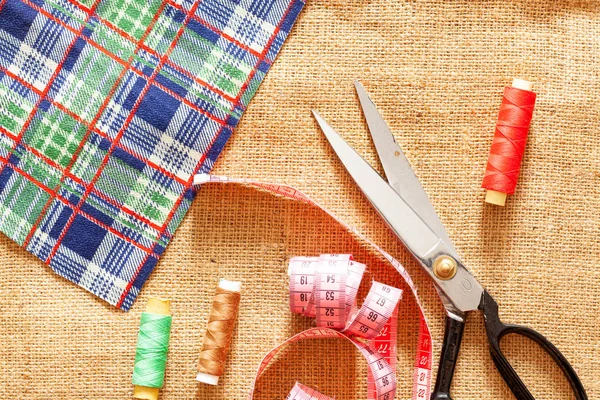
(508, 146)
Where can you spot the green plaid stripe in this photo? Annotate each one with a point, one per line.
(100, 203)
(24, 201)
(85, 89)
(14, 109)
(56, 135)
(37, 168)
(89, 160)
(132, 16)
(210, 63)
(136, 190)
(165, 29)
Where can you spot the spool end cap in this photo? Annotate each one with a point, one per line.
(522, 84)
(159, 306)
(230, 286)
(497, 198)
(145, 393)
(207, 378)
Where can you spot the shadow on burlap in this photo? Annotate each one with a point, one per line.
(436, 69)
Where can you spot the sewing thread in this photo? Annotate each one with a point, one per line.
(219, 333)
(508, 146)
(151, 351)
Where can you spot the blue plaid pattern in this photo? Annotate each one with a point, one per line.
(107, 110)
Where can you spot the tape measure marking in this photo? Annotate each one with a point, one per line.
(330, 292)
(385, 378)
(301, 392)
(366, 322)
(342, 277)
(422, 373)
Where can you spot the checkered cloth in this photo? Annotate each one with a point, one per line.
(107, 110)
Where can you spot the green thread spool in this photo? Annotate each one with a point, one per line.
(151, 350)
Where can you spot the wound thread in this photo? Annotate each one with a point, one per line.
(219, 332)
(510, 137)
(151, 351)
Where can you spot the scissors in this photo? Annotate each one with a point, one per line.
(405, 207)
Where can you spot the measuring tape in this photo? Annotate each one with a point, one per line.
(384, 378)
(380, 348)
(325, 287)
(301, 392)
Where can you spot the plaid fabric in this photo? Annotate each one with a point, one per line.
(107, 110)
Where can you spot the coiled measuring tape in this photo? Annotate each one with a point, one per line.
(325, 287)
(380, 348)
(329, 284)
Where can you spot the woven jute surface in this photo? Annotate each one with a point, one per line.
(436, 70)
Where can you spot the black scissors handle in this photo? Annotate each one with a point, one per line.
(452, 338)
(496, 330)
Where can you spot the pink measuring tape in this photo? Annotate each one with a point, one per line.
(325, 288)
(301, 392)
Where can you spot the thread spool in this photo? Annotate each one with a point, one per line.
(219, 332)
(152, 348)
(508, 146)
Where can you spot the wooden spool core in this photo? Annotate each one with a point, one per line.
(492, 196)
(160, 307)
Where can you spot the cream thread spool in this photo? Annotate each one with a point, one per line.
(219, 332)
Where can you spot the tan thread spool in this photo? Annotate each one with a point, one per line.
(219, 332)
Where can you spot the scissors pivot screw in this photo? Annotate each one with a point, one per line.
(444, 267)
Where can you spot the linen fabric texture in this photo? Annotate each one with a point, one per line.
(107, 110)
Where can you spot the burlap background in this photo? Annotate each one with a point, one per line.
(436, 69)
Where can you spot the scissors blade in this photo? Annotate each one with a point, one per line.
(398, 171)
(461, 293)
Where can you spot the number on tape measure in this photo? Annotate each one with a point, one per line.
(333, 288)
(306, 307)
(332, 302)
